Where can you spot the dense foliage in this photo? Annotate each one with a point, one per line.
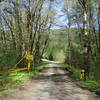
(67, 31)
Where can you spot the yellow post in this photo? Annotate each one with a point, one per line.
(82, 75)
(29, 58)
(29, 65)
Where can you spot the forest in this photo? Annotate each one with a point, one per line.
(64, 31)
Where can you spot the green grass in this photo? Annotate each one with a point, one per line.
(91, 84)
(76, 71)
(39, 66)
(9, 81)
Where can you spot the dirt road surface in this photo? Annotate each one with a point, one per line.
(53, 84)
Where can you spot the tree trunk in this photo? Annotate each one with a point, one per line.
(85, 45)
(99, 28)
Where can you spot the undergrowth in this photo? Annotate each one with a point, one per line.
(91, 84)
(10, 80)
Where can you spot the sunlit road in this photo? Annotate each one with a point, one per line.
(53, 84)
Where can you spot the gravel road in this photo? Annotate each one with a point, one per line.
(53, 84)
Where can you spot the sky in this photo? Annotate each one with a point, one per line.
(57, 6)
(59, 19)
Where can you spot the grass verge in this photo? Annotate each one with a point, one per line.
(9, 81)
(90, 84)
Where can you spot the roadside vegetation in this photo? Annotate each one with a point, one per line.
(91, 83)
(67, 31)
(9, 82)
